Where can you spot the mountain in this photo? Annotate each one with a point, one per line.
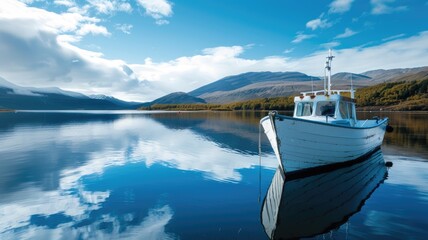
(176, 98)
(254, 85)
(31, 91)
(116, 101)
(237, 81)
(347, 76)
(16, 97)
(382, 75)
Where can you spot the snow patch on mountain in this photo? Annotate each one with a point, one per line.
(16, 89)
(32, 91)
(100, 96)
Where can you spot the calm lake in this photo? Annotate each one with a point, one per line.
(157, 175)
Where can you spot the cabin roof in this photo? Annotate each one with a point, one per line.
(321, 95)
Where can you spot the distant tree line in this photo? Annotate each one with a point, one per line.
(278, 103)
(410, 95)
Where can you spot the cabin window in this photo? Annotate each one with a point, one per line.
(304, 109)
(350, 110)
(344, 109)
(326, 108)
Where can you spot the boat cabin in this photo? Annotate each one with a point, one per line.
(334, 108)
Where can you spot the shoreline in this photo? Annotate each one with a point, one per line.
(363, 109)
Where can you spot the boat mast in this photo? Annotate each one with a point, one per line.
(328, 68)
(325, 78)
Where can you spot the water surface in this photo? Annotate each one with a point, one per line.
(176, 175)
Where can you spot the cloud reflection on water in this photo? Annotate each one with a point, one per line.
(43, 168)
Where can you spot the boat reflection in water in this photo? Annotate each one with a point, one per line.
(305, 206)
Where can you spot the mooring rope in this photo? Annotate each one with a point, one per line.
(260, 162)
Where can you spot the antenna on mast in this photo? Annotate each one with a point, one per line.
(328, 68)
(312, 83)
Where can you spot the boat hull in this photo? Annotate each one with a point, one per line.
(301, 144)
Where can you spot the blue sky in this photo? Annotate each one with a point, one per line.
(143, 49)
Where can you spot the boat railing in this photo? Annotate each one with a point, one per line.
(311, 93)
(324, 92)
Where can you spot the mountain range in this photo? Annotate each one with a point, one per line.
(254, 85)
(16, 97)
(245, 86)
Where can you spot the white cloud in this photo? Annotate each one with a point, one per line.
(288, 50)
(318, 23)
(301, 37)
(26, 21)
(110, 6)
(340, 6)
(83, 10)
(93, 29)
(224, 52)
(125, 28)
(331, 45)
(393, 37)
(348, 33)
(66, 3)
(30, 1)
(400, 53)
(162, 21)
(383, 7)
(158, 9)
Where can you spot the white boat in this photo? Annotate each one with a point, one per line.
(323, 131)
(307, 206)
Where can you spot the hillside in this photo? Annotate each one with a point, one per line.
(382, 75)
(257, 90)
(397, 96)
(253, 85)
(175, 98)
(347, 77)
(116, 101)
